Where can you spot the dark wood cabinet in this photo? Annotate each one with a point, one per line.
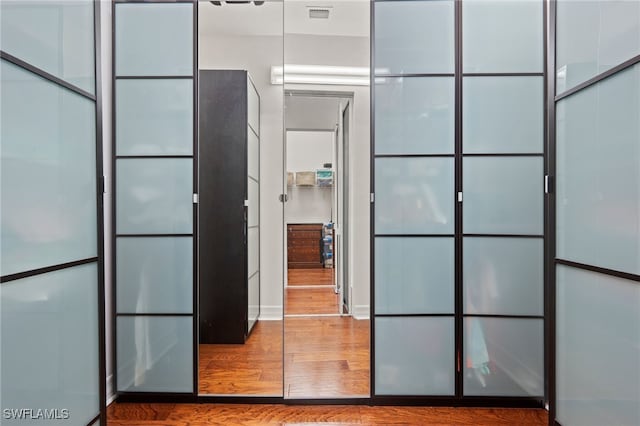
(228, 206)
(304, 245)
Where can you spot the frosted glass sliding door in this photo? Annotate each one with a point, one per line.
(597, 274)
(154, 202)
(414, 186)
(503, 198)
(458, 195)
(51, 285)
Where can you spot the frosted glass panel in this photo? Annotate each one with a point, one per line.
(503, 195)
(503, 115)
(155, 354)
(414, 196)
(414, 115)
(414, 275)
(154, 196)
(594, 36)
(502, 36)
(503, 357)
(253, 108)
(597, 350)
(55, 36)
(253, 155)
(598, 174)
(155, 275)
(414, 356)
(154, 39)
(47, 173)
(49, 343)
(254, 202)
(154, 117)
(414, 37)
(254, 250)
(254, 298)
(503, 276)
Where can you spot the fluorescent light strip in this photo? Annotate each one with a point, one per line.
(320, 74)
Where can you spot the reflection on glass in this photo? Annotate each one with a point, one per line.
(414, 115)
(229, 39)
(597, 350)
(155, 354)
(503, 356)
(154, 275)
(503, 276)
(414, 196)
(592, 37)
(48, 182)
(327, 326)
(415, 356)
(598, 180)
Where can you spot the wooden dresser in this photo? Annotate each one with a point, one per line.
(304, 245)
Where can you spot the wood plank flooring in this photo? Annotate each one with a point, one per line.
(326, 357)
(254, 368)
(322, 276)
(305, 301)
(272, 415)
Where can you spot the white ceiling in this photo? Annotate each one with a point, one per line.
(347, 18)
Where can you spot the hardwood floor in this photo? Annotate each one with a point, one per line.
(326, 357)
(322, 276)
(305, 301)
(254, 368)
(272, 415)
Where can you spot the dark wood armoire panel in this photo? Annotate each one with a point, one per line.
(222, 214)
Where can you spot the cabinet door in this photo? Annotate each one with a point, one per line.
(253, 204)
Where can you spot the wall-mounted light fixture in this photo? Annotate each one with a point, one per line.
(219, 3)
(320, 74)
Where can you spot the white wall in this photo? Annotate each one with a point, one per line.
(308, 151)
(257, 54)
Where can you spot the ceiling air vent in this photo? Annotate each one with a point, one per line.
(319, 12)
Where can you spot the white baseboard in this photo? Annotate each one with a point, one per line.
(270, 313)
(361, 312)
(111, 392)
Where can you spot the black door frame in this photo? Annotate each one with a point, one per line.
(459, 400)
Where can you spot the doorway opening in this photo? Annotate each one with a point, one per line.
(326, 348)
(315, 213)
